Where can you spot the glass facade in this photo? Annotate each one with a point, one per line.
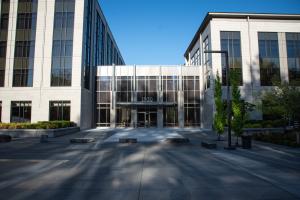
(59, 110)
(4, 19)
(20, 111)
(151, 98)
(195, 60)
(231, 42)
(268, 58)
(293, 54)
(25, 43)
(62, 49)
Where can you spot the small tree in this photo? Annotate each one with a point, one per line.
(238, 107)
(220, 115)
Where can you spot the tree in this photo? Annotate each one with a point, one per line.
(238, 107)
(220, 115)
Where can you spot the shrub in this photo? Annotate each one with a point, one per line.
(38, 125)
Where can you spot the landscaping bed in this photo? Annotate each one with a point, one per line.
(287, 139)
(52, 129)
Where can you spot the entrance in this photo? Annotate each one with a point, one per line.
(147, 118)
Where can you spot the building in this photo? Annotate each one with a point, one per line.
(58, 60)
(48, 54)
(262, 48)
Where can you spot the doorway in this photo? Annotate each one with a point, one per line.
(147, 118)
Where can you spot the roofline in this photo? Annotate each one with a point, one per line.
(237, 15)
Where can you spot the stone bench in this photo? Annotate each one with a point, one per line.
(177, 140)
(209, 144)
(5, 138)
(82, 140)
(128, 140)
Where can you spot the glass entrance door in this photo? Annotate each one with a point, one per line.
(147, 118)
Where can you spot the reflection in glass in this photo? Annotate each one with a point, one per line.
(20, 111)
(268, 58)
(293, 54)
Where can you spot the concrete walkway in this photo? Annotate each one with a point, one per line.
(144, 134)
(146, 171)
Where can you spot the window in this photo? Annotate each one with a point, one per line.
(231, 42)
(191, 87)
(147, 87)
(20, 111)
(103, 92)
(25, 43)
(196, 58)
(62, 47)
(123, 88)
(206, 63)
(59, 110)
(88, 43)
(99, 41)
(268, 58)
(4, 18)
(293, 54)
(170, 116)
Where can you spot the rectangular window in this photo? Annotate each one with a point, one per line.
(62, 47)
(4, 18)
(20, 111)
(88, 43)
(231, 42)
(103, 92)
(269, 58)
(206, 63)
(59, 110)
(191, 87)
(293, 54)
(147, 87)
(25, 43)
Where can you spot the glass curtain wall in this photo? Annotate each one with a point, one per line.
(269, 58)
(4, 19)
(191, 87)
(293, 53)
(123, 94)
(103, 90)
(62, 50)
(170, 92)
(231, 42)
(25, 43)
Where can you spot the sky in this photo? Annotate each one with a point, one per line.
(159, 31)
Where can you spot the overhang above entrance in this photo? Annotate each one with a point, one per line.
(147, 104)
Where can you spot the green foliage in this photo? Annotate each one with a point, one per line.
(38, 125)
(282, 101)
(220, 115)
(238, 106)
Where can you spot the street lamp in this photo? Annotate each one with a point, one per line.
(229, 147)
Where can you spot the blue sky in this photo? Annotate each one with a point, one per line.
(159, 31)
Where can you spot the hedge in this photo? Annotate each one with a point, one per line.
(288, 139)
(38, 125)
(265, 124)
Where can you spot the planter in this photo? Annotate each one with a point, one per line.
(246, 141)
(52, 133)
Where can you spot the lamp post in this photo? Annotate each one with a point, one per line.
(229, 147)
